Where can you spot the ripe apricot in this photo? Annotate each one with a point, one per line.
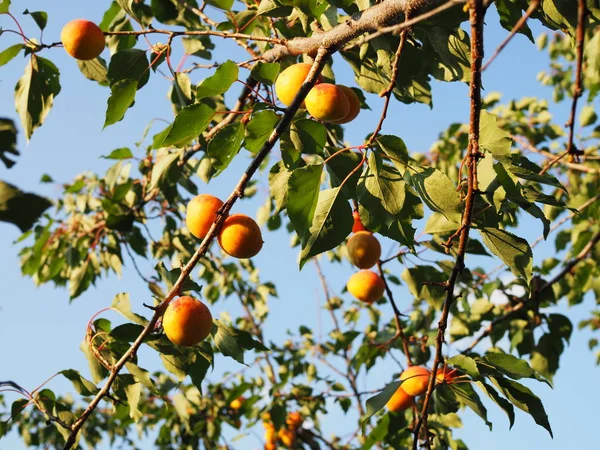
(201, 213)
(327, 102)
(187, 321)
(354, 105)
(294, 419)
(364, 249)
(358, 225)
(237, 403)
(289, 81)
(287, 437)
(240, 236)
(366, 286)
(415, 380)
(82, 39)
(399, 401)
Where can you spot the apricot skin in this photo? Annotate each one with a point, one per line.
(364, 249)
(240, 236)
(82, 39)
(358, 225)
(354, 105)
(415, 380)
(237, 403)
(187, 321)
(327, 102)
(399, 401)
(366, 286)
(289, 81)
(201, 213)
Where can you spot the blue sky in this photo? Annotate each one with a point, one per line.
(40, 331)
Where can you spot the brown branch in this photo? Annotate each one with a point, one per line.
(520, 24)
(476, 16)
(173, 34)
(202, 249)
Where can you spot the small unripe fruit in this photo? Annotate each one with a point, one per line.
(327, 102)
(399, 401)
(187, 321)
(366, 286)
(354, 105)
(364, 249)
(201, 213)
(415, 380)
(289, 81)
(82, 39)
(240, 236)
(358, 225)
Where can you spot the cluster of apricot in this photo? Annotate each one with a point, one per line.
(415, 380)
(364, 251)
(82, 39)
(332, 103)
(286, 434)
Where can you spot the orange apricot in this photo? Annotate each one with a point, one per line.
(327, 102)
(446, 375)
(399, 401)
(82, 39)
(289, 81)
(366, 286)
(354, 105)
(237, 403)
(358, 225)
(364, 249)
(287, 437)
(187, 321)
(240, 236)
(294, 419)
(201, 213)
(415, 380)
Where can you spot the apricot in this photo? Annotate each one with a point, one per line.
(294, 419)
(240, 236)
(366, 286)
(364, 249)
(399, 401)
(201, 213)
(289, 81)
(82, 39)
(415, 380)
(327, 102)
(287, 437)
(237, 403)
(187, 321)
(358, 225)
(354, 105)
(446, 375)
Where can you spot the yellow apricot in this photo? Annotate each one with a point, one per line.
(446, 375)
(82, 39)
(399, 401)
(201, 213)
(237, 403)
(366, 286)
(327, 102)
(354, 103)
(364, 249)
(415, 380)
(294, 419)
(240, 236)
(289, 81)
(287, 437)
(187, 321)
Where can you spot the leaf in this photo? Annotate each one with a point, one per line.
(525, 400)
(308, 136)
(340, 167)
(225, 75)
(265, 73)
(512, 250)
(40, 18)
(82, 386)
(587, 116)
(122, 304)
(438, 193)
(226, 342)
(450, 52)
(164, 10)
(506, 406)
(225, 145)
(8, 141)
(512, 366)
(120, 153)
(279, 177)
(121, 98)
(198, 369)
(510, 13)
(9, 53)
(20, 208)
(331, 224)
(35, 93)
(259, 129)
(127, 332)
(141, 375)
(416, 277)
(221, 4)
(4, 4)
(466, 365)
(189, 123)
(395, 149)
(302, 197)
(133, 392)
(493, 138)
(466, 395)
(161, 169)
(129, 64)
(378, 401)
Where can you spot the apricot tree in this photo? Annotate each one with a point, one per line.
(510, 164)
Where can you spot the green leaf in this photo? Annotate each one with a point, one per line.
(279, 177)
(121, 98)
(225, 145)
(8, 141)
(40, 18)
(141, 375)
(127, 332)
(378, 401)
(493, 138)
(438, 193)
(510, 13)
(512, 366)
(97, 370)
(525, 400)
(466, 396)
(225, 341)
(164, 10)
(4, 4)
(340, 167)
(20, 208)
(189, 123)
(302, 197)
(129, 64)
(95, 70)
(512, 250)
(308, 136)
(466, 365)
(9, 53)
(225, 75)
(265, 73)
(395, 149)
(120, 153)
(587, 116)
(82, 386)
(259, 129)
(449, 51)
(506, 406)
(133, 392)
(122, 304)
(416, 277)
(221, 4)
(35, 93)
(331, 224)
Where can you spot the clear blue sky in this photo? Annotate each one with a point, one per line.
(40, 331)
